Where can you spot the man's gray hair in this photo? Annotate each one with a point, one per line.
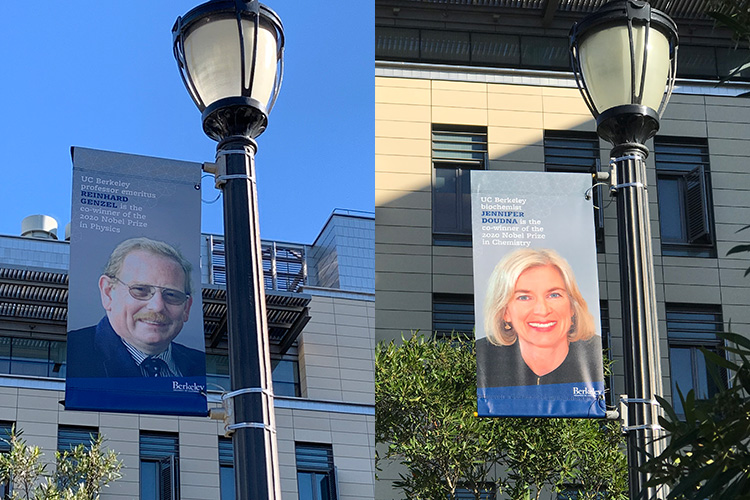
(114, 264)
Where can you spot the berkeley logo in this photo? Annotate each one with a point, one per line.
(187, 387)
(584, 392)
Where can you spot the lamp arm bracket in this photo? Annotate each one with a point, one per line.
(248, 390)
(222, 179)
(228, 414)
(219, 169)
(653, 427)
(615, 187)
(250, 425)
(587, 193)
(624, 402)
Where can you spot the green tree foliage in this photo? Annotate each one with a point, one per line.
(708, 455)
(80, 473)
(425, 403)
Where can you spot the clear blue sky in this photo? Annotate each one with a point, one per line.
(101, 74)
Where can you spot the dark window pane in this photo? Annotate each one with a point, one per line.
(444, 204)
(455, 152)
(547, 52)
(286, 377)
(730, 60)
(452, 313)
(397, 43)
(682, 374)
(5, 355)
(445, 45)
(30, 357)
(690, 327)
(159, 454)
(315, 472)
(226, 480)
(685, 206)
(149, 480)
(58, 358)
(496, 49)
(672, 221)
(305, 486)
(696, 62)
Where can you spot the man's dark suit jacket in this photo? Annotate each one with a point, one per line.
(97, 351)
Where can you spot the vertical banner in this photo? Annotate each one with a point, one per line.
(135, 315)
(538, 330)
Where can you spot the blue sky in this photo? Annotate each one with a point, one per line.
(101, 75)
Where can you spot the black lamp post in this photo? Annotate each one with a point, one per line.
(624, 59)
(230, 56)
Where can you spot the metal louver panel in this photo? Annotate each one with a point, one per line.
(696, 201)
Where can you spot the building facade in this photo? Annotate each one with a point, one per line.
(466, 85)
(321, 323)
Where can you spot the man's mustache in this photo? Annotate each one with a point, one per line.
(151, 317)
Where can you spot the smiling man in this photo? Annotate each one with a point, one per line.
(146, 293)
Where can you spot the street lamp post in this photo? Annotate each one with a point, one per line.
(230, 56)
(624, 59)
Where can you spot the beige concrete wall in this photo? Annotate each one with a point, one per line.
(38, 413)
(336, 356)
(336, 352)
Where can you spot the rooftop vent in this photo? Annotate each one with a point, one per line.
(39, 226)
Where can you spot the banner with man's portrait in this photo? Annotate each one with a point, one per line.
(135, 314)
(536, 292)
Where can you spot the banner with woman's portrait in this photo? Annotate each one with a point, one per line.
(536, 292)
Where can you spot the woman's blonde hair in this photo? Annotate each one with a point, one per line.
(502, 284)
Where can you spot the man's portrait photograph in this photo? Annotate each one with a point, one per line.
(146, 295)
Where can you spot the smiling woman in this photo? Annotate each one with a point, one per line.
(539, 328)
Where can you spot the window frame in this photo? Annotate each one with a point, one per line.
(445, 305)
(161, 449)
(226, 462)
(461, 161)
(316, 459)
(684, 333)
(686, 163)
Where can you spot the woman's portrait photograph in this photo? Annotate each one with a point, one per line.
(539, 329)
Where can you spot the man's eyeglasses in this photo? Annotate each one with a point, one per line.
(140, 291)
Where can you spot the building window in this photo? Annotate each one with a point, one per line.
(159, 466)
(452, 313)
(466, 494)
(70, 437)
(316, 474)
(456, 151)
(285, 373)
(685, 207)
(32, 357)
(577, 152)
(226, 469)
(690, 327)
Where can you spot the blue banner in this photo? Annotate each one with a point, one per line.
(135, 314)
(538, 330)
